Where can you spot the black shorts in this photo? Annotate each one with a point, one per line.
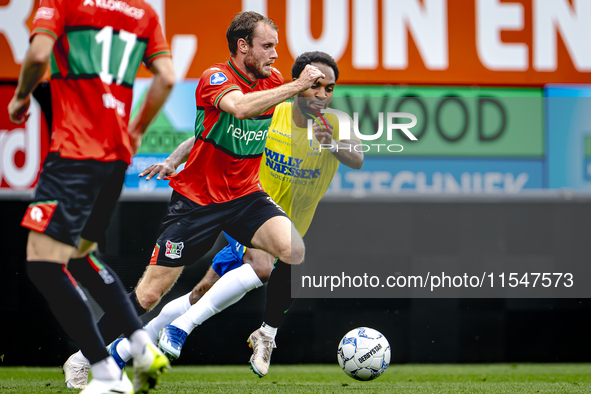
(75, 198)
(189, 230)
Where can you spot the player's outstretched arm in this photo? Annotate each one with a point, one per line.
(158, 92)
(169, 166)
(32, 71)
(344, 150)
(244, 106)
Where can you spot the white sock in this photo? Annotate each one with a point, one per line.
(124, 349)
(106, 369)
(138, 340)
(225, 292)
(79, 358)
(171, 311)
(268, 331)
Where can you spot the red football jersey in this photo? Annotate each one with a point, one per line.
(100, 45)
(225, 160)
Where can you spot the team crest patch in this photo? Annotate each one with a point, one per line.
(44, 13)
(217, 79)
(174, 250)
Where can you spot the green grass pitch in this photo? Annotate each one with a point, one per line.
(462, 378)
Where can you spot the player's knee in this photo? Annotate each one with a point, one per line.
(297, 253)
(148, 298)
(263, 271)
(293, 253)
(261, 263)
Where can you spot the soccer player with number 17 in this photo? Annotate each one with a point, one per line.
(94, 50)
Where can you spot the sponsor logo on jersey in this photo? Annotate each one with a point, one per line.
(117, 5)
(247, 135)
(110, 102)
(44, 13)
(217, 79)
(174, 250)
(287, 165)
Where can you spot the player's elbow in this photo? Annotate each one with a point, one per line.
(167, 80)
(357, 162)
(163, 71)
(40, 49)
(39, 58)
(240, 113)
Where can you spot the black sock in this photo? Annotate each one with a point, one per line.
(279, 291)
(108, 326)
(106, 288)
(68, 304)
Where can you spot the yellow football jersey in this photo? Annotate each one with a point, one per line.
(294, 172)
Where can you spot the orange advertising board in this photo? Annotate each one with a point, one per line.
(465, 42)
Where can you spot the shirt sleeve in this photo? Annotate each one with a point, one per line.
(49, 19)
(215, 85)
(157, 46)
(277, 77)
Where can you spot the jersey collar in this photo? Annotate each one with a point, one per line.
(241, 75)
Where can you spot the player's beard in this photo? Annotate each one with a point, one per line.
(255, 67)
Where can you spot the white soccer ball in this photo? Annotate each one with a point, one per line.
(364, 353)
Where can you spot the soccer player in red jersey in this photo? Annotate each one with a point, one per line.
(94, 49)
(219, 188)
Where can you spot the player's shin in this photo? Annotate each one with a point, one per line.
(68, 304)
(109, 325)
(228, 290)
(279, 288)
(170, 312)
(106, 288)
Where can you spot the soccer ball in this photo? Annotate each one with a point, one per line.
(364, 353)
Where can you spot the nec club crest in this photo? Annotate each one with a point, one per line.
(217, 79)
(174, 250)
(39, 215)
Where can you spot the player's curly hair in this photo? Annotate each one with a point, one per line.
(314, 57)
(243, 26)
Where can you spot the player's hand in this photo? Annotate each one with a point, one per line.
(309, 76)
(322, 132)
(18, 109)
(162, 169)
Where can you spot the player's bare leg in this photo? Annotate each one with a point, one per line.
(260, 261)
(232, 286)
(210, 278)
(279, 237)
(262, 265)
(155, 283)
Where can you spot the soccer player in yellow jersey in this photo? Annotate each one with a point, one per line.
(296, 173)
